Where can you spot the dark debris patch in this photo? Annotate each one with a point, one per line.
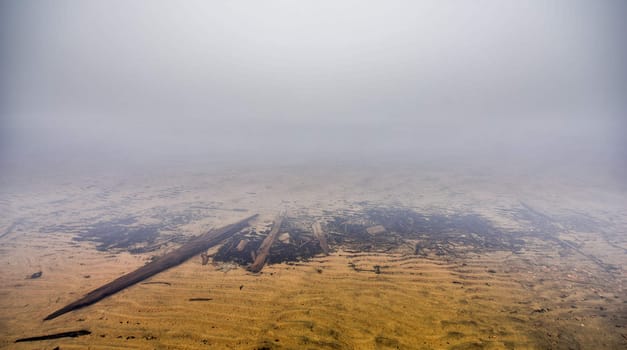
(299, 244)
(439, 234)
(120, 234)
(379, 229)
(130, 234)
(241, 247)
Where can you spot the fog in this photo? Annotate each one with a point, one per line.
(114, 83)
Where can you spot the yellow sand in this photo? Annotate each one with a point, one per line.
(543, 297)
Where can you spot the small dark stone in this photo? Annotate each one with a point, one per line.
(36, 275)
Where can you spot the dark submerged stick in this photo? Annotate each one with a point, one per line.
(264, 249)
(158, 282)
(186, 251)
(321, 236)
(72, 334)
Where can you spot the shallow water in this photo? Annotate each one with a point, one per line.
(464, 261)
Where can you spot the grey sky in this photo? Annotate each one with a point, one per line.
(150, 79)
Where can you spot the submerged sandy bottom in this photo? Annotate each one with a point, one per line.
(544, 296)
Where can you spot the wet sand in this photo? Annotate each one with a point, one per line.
(563, 292)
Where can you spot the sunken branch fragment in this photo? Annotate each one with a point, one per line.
(264, 249)
(321, 237)
(71, 334)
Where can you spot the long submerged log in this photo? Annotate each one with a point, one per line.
(264, 248)
(176, 257)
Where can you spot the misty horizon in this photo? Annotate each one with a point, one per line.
(113, 83)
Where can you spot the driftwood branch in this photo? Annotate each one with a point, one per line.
(264, 248)
(321, 237)
(176, 257)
